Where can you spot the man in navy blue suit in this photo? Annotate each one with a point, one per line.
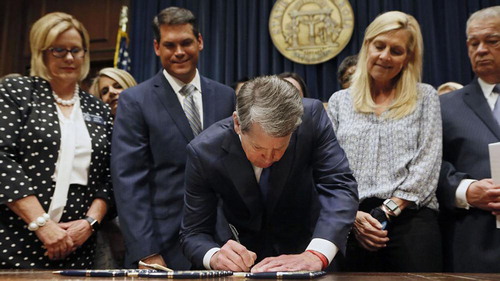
(150, 135)
(468, 197)
(283, 180)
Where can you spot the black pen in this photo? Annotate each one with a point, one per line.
(235, 233)
(187, 274)
(280, 274)
(102, 272)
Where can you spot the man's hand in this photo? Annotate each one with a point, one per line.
(79, 231)
(233, 256)
(304, 261)
(56, 240)
(484, 195)
(368, 231)
(154, 259)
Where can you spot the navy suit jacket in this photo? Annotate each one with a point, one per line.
(471, 240)
(313, 192)
(150, 136)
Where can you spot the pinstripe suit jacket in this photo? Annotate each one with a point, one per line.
(150, 135)
(470, 240)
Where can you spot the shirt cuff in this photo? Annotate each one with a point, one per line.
(461, 194)
(327, 248)
(208, 256)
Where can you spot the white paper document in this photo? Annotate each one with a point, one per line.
(495, 167)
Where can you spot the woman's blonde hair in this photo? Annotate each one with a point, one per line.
(45, 31)
(121, 76)
(406, 85)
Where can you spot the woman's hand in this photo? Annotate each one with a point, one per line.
(56, 240)
(79, 231)
(368, 231)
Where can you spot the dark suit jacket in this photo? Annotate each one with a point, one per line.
(471, 241)
(313, 192)
(148, 159)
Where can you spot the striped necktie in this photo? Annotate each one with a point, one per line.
(190, 108)
(496, 109)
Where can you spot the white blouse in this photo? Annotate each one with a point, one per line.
(392, 157)
(82, 146)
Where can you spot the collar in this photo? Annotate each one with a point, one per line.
(177, 84)
(486, 88)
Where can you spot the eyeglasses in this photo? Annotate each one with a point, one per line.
(62, 52)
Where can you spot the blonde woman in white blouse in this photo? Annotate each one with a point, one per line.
(389, 124)
(54, 153)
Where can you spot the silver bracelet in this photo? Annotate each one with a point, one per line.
(39, 222)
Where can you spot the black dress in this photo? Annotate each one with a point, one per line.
(29, 147)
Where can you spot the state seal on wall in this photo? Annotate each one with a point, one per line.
(311, 31)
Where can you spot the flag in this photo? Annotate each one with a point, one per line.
(122, 58)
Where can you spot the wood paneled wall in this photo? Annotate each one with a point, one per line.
(100, 17)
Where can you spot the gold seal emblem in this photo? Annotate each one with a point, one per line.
(311, 31)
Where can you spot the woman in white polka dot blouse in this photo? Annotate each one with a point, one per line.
(54, 154)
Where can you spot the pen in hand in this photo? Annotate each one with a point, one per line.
(235, 233)
(224, 258)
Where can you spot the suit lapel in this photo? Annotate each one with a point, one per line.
(168, 98)
(279, 174)
(209, 106)
(98, 125)
(241, 173)
(475, 99)
(88, 110)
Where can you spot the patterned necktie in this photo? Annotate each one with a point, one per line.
(496, 109)
(190, 108)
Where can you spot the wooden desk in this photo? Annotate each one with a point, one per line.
(29, 275)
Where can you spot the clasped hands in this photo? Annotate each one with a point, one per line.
(236, 257)
(61, 239)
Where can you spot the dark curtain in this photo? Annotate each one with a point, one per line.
(237, 41)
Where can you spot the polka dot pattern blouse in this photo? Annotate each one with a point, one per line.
(29, 146)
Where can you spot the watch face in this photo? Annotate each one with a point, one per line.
(391, 205)
(93, 223)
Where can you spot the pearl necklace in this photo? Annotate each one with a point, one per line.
(70, 102)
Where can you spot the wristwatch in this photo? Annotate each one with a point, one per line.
(93, 223)
(392, 207)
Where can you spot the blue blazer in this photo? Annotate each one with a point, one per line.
(150, 136)
(470, 239)
(313, 192)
